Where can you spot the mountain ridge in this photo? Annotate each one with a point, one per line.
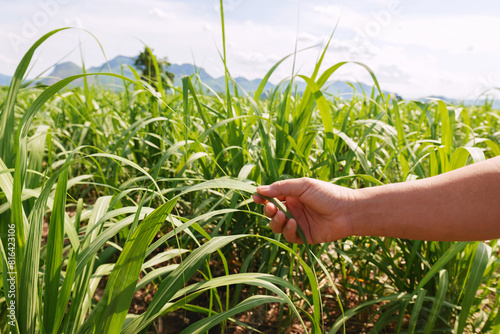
(5, 80)
(121, 64)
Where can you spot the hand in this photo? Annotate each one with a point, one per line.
(321, 209)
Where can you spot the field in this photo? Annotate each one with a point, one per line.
(130, 210)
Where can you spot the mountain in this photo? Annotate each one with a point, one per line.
(217, 84)
(5, 80)
(343, 89)
(189, 69)
(495, 104)
(66, 69)
(123, 65)
(116, 65)
(62, 71)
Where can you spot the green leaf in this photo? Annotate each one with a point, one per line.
(28, 303)
(248, 304)
(445, 258)
(446, 130)
(438, 301)
(324, 109)
(461, 155)
(476, 276)
(355, 310)
(173, 282)
(55, 243)
(120, 288)
(416, 310)
(7, 132)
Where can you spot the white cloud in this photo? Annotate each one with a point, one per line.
(157, 13)
(392, 73)
(207, 27)
(7, 60)
(230, 5)
(310, 39)
(256, 57)
(73, 22)
(411, 53)
(348, 18)
(453, 33)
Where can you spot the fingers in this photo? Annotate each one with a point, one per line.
(270, 210)
(280, 190)
(292, 187)
(259, 200)
(290, 232)
(280, 224)
(277, 222)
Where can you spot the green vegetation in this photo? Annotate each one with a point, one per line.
(144, 190)
(146, 60)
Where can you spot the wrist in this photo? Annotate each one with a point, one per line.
(356, 214)
(349, 217)
(367, 216)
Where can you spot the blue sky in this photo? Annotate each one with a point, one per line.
(415, 48)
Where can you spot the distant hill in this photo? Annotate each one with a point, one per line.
(217, 84)
(122, 64)
(458, 102)
(189, 69)
(62, 71)
(5, 80)
(66, 69)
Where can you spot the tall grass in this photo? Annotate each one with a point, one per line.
(144, 188)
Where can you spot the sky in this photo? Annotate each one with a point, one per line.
(414, 48)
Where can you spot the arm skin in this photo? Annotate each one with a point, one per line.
(461, 205)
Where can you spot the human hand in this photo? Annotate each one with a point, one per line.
(321, 209)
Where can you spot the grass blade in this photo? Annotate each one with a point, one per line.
(113, 308)
(55, 241)
(248, 304)
(416, 311)
(7, 115)
(476, 276)
(438, 301)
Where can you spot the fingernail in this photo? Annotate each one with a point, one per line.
(263, 188)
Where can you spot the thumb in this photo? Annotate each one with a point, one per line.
(292, 188)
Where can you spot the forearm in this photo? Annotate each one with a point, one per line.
(460, 205)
